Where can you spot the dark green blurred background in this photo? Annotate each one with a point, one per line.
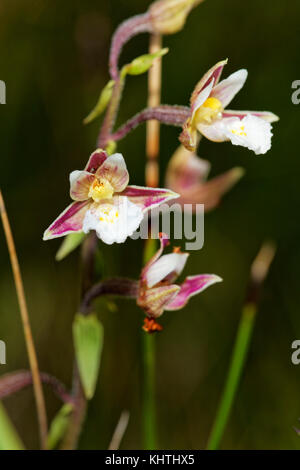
(53, 58)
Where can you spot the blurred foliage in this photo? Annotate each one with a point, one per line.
(53, 58)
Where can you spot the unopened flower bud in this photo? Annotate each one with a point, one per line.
(169, 16)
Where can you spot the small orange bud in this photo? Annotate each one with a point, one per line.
(151, 326)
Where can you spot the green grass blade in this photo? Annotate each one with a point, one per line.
(9, 439)
(235, 370)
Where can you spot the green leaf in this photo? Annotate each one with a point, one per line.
(88, 342)
(9, 439)
(103, 101)
(69, 244)
(59, 426)
(142, 64)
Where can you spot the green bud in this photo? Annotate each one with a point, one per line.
(143, 63)
(102, 103)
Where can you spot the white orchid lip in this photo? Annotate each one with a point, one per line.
(113, 221)
(251, 132)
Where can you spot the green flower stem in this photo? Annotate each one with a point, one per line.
(235, 370)
(149, 378)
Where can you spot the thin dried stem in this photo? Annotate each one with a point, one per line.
(153, 127)
(119, 431)
(37, 386)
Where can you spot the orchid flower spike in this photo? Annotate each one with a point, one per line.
(251, 129)
(104, 202)
(187, 175)
(157, 291)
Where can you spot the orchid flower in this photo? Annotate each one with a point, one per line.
(187, 173)
(157, 291)
(104, 202)
(251, 129)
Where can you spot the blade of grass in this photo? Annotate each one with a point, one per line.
(9, 439)
(239, 357)
(37, 385)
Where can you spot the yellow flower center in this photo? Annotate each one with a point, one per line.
(101, 190)
(210, 110)
(108, 214)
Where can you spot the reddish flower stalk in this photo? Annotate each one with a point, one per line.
(170, 115)
(127, 30)
(117, 286)
(15, 381)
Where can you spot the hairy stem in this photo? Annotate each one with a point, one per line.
(111, 113)
(37, 385)
(13, 382)
(117, 287)
(127, 30)
(165, 114)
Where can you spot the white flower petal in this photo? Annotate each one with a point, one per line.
(216, 131)
(113, 220)
(226, 90)
(251, 132)
(172, 263)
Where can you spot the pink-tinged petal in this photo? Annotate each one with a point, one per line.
(210, 192)
(212, 75)
(228, 88)
(216, 132)
(153, 301)
(164, 241)
(148, 198)
(80, 184)
(114, 170)
(166, 268)
(69, 221)
(96, 159)
(191, 286)
(185, 171)
(201, 97)
(266, 115)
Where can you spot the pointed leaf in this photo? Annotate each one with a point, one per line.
(9, 439)
(70, 243)
(142, 63)
(59, 426)
(103, 101)
(88, 342)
